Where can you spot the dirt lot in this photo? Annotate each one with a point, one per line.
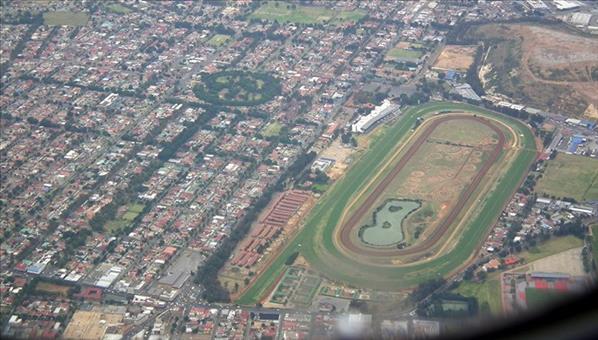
(456, 57)
(52, 288)
(87, 325)
(342, 157)
(591, 112)
(547, 67)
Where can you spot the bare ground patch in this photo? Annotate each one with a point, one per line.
(456, 57)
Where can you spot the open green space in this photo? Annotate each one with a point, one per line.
(344, 17)
(118, 224)
(115, 226)
(553, 246)
(319, 227)
(320, 188)
(65, 18)
(401, 53)
(219, 40)
(237, 88)
(485, 292)
(272, 129)
(118, 8)
(570, 176)
(283, 12)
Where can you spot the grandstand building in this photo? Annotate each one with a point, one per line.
(365, 123)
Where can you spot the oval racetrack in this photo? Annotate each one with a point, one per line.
(350, 226)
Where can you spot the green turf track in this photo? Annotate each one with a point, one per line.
(325, 215)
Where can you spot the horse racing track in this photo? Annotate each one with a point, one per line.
(418, 204)
(453, 153)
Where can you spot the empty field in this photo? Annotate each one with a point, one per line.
(568, 261)
(90, 324)
(570, 176)
(65, 18)
(456, 57)
(51, 288)
(553, 246)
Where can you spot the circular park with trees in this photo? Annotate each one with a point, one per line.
(237, 88)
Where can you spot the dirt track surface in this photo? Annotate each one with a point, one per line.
(441, 229)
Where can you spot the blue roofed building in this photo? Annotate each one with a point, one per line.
(588, 124)
(450, 75)
(575, 142)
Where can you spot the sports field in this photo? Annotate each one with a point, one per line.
(317, 243)
(284, 12)
(537, 298)
(401, 53)
(570, 176)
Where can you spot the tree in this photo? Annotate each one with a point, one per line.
(426, 288)
(291, 259)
